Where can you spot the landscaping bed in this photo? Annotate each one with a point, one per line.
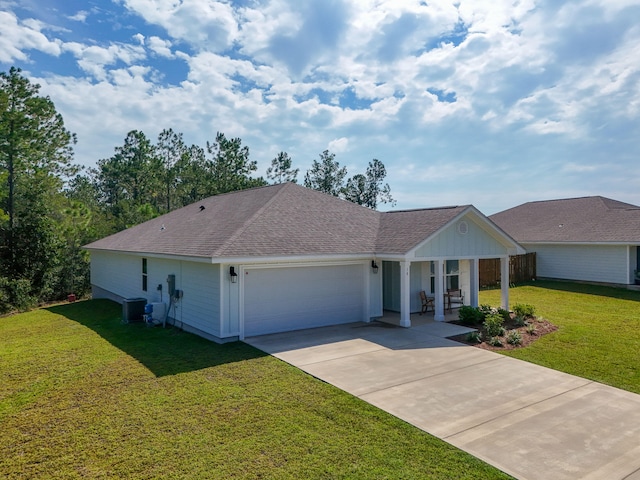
(542, 327)
(499, 329)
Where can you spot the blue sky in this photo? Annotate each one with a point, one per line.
(491, 103)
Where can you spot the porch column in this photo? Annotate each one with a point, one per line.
(405, 294)
(474, 281)
(438, 316)
(504, 282)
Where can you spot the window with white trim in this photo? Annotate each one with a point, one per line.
(144, 274)
(451, 274)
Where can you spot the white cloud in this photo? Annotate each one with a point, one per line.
(579, 168)
(81, 16)
(488, 93)
(160, 47)
(18, 37)
(339, 145)
(96, 60)
(300, 34)
(206, 25)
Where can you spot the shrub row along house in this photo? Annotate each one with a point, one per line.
(285, 257)
(591, 239)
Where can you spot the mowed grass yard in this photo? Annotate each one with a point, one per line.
(84, 396)
(599, 330)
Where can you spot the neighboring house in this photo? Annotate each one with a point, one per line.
(285, 257)
(593, 239)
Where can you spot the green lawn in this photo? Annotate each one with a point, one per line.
(599, 330)
(84, 396)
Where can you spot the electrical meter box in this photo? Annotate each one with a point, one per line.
(171, 281)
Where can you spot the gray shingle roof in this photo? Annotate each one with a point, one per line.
(403, 230)
(586, 219)
(279, 220)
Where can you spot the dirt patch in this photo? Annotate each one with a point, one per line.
(528, 335)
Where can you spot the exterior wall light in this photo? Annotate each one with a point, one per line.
(233, 275)
(374, 266)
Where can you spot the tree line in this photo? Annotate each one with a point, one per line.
(50, 207)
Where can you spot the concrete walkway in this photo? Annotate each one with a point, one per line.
(529, 421)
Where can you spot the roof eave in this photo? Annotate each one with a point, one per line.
(166, 256)
(574, 242)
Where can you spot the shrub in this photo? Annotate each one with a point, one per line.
(524, 310)
(494, 342)
(5, 304)
(489, 310)
(493, 325)
(531, 329)
(520, 321)
(474, 337)
(486, 310)
(470, 315)
(514, 338)
(15, 295)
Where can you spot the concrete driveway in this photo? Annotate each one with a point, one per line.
(529, 421)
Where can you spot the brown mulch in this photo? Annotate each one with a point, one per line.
(543, 327)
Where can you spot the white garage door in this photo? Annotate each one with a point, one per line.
(292, 298)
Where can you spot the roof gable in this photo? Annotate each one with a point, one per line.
(403, 230)
(469, 234)
(586, 219)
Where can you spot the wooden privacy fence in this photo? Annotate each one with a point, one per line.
(522, 268)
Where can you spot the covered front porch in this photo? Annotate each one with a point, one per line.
(393, 318)
(446, 259)
(402, 282)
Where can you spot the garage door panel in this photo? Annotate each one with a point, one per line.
(291, 298)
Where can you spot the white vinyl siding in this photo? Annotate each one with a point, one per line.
(119, 274)
(391, 290)
(291, 298)
(452, 244)
(201, 299)
(159, 270)
(391, 286)
(591, 263)
(375, 292)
